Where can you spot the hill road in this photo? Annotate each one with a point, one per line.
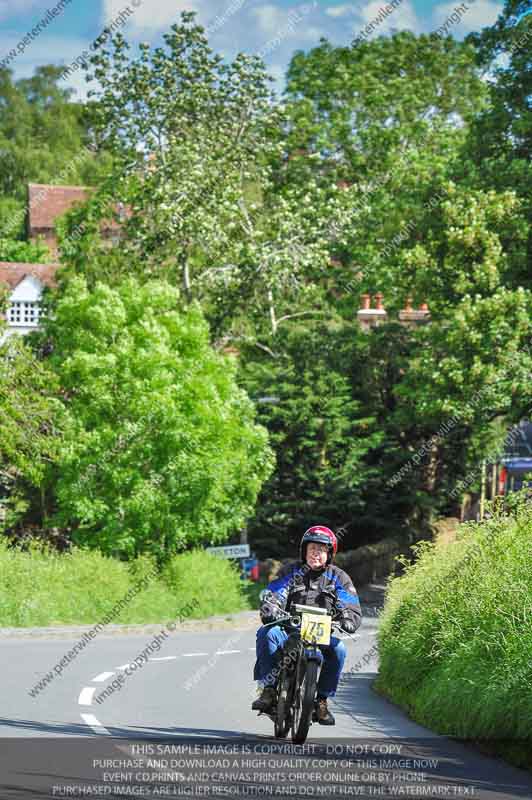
(180, 724)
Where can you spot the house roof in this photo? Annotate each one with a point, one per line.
(13, 272)
(47, 202)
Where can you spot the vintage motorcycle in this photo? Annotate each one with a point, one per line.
(299, 665)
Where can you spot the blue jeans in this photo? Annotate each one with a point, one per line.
(271, 639)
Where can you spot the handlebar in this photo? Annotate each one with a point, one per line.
(295, 622)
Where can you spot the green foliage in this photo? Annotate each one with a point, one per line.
(500, 145)
(43, 139)
(478, 350)
(31, 429)
(392, 165)
(366, 101)
(163, 451)
(41, 588)
(199, 171)
(382, 116)
(24, 252)
(455, 640)
(42, 133)
(318, 430)
(213, 583)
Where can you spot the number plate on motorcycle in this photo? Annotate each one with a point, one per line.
(316, 628)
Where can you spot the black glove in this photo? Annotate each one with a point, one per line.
(270, 610)
(347, 624)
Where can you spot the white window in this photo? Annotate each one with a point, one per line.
(24, 313)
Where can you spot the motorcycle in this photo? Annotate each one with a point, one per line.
(300, 661)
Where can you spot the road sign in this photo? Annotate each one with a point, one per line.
(230, 551)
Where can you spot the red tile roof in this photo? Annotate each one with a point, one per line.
(47, 202)
(11, 273)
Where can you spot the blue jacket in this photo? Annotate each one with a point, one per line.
(330, 588)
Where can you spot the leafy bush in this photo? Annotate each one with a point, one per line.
(31, 424)
(456, 636)
(41, 588)
(25, 252)
(163, 451)
(212, 584)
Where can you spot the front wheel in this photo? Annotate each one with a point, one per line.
(282, 717)
(304, 702)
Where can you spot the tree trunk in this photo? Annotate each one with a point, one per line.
(273, 318)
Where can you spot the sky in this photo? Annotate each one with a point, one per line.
(272, 28)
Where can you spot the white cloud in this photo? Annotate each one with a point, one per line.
(478, 15)
(276, 24)
(158, 15)
(340, 11)
(154, 15)
(269, 19)
(403, 17)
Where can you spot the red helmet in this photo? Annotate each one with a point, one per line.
(322, 535)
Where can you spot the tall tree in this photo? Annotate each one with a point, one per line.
(500, 145)
(44, 135)
(388, 117)
(320, 431)
(31, 428)
(197, 146)
(163, 450)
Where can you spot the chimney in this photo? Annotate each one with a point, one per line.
(368, 317)
(410, 317)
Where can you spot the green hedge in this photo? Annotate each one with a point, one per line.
(39, 588)
(455, 640)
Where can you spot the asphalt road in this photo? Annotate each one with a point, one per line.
(196, 691)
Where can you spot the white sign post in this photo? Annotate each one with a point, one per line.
(230, 551)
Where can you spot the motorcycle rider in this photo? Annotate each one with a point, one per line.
(312, 581)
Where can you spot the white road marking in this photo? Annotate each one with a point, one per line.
(163, 658)
(102, 677)
(93, 723)
(86, 695)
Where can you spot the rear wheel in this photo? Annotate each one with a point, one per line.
(304, 701)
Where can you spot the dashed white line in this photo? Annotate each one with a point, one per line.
(194, 654)
(102, 677)
(225, 652)
(123, 666)
(163, 658)
(86, 695)
(95, 724)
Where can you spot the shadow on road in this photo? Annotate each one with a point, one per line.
(387, 758)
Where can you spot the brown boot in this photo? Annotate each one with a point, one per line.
(322, 712)
(266, 700)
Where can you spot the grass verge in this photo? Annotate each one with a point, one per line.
(455, 641)
(39, 588)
